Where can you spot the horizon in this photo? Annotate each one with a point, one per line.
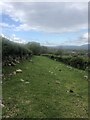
(43, 45)
(50, 24)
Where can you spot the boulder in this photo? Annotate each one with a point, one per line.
(14, 73)
(13, 64)
(58, 82)
(9, 64)
(22, 80)
(19, 71)
(2, 105)
(85, 76)
(16, 61)
(27, 82)
(30, 60)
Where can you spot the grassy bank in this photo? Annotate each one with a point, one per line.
(44, 89)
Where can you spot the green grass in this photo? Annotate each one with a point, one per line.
(47, 94)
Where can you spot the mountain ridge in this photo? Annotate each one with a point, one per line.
(72, 47)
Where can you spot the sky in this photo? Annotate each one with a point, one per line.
(49, 23)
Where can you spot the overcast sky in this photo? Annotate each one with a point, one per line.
(50, 23)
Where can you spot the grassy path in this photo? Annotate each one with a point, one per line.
(42, 90)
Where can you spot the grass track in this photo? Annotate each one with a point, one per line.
(46, 95)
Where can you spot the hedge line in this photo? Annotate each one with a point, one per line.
(12, 52)
(77, 62)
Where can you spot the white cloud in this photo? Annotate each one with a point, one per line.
(6, 25)
(16, 39)
(85, 36)
(49, 43)
(4, 36)
(48, 17)
(24, 27)
(45, 1)
(83, 39)
(13, 38)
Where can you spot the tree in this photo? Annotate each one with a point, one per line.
(59, 52)
(34, 47)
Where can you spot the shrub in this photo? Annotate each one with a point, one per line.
(12, 51)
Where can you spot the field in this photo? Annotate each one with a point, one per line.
(45, 89)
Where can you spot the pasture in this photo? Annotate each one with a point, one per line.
(44, 89)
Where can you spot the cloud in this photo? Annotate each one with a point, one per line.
(45, 1)
(81, 40)
(48, 17)
(2, 35)
(16, 39)
(49, 43)
(24, 27)
(85, 38)
(6, 26)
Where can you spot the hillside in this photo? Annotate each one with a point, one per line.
(73, 47)
(44, 89)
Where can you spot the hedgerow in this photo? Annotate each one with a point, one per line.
(12, 52)
(77, 62)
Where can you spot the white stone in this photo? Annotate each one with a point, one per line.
(19, 71)
(27, 82)
(22, 80)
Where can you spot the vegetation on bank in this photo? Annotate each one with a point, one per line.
(13, 53)
(74, 61)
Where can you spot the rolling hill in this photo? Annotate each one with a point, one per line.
(73, 47)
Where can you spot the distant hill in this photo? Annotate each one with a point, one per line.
(86, 46)
(73, 47)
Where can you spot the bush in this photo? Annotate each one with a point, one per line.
(12, 51)
(77, 62)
